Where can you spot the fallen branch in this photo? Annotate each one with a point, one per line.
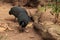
(43, 32)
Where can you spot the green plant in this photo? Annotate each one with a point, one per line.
(41, 9)
(55, 11)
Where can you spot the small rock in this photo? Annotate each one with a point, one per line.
(27, 31)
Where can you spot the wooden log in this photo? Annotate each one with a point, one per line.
(43, 32)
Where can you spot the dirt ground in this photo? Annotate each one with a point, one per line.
(14, 34)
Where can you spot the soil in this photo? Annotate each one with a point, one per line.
(14, 34)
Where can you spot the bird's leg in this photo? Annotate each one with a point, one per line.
(21, 29)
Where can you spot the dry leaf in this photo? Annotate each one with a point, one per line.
(2, 29)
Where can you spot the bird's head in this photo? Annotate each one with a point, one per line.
(23, 24)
